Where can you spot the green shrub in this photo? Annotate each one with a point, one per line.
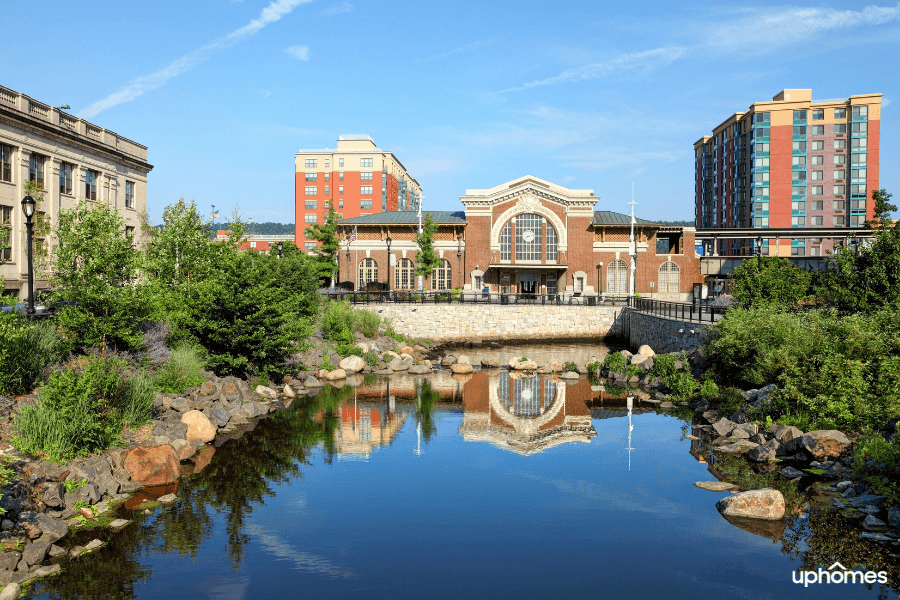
(633, 371)
(346, 350)
(769, 280)
(728, 401)
(26, 349)
(366, 322)
(83, 409)
(183, 370)
(327, 364)
(371, 358)
(663, 365)
(340, 322)
(682, 384)
(877, 462)
(615, 362)
(73, 484)
(570, 366)
(594, 368)
(523, 359)
(709, 390)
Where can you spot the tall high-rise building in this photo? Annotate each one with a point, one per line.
(357, 177)
(791, 162)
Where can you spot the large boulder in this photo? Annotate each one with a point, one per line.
(715, 486)
(463, 359)
(153, 465)
(353, 364)
(198, 426)
(266, 392)
(421, 369)
(765, 503)
(336, 374)
(398, 364)
(739, 447)
(638, 359)
(824, 444)
(460, 368)
(761, 454)
(448, 360)
(647, 351)
(490, 363)
(51, 529)
(525, 365)
(763, 397)
(894, 517)
(724, 427)
(312, 382)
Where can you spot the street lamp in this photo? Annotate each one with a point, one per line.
(28, 205)
(459, 257)
(349, 272)
(759, 242)
(280, 248)
(388, 241)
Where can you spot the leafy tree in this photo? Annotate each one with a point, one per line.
(769, 280)
(179, 251)
(329, 245)
(237, 228)
(93, 273)
(883, 208)
(427, 258)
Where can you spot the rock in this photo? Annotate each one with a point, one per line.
(153, 465)
(647, 351)
(118, 524)
(46, 571)
(198, 426)
(352, 364)
(9, 560)
(739, 447)
(763, 398)
(52, 494)
(461, 369)
(336, 375)
(715, 486)
(723, 427)
(666, 405)
(407, 350)
(824, 444)
(791, 473)
(746, 428)
(55, 551)
(167, 499)
(107, 484)
(448, 360)
(180, 404)
(876, 537)
(101, 508)
(10, 591)
(759, 438)
(894, 517)
(773, 530)
(761, 454)
(866, 499)
(765, 503)
(289, 391)
(94, 544)
(638, 359)
(870, 522)
(525, 365)
(6, 525)
(35, 552)
(421, 369)
(86, 512)
(398, 364)
(219, 417)
(52, 530)
(463, 359)
(312, 382)
(626, 354)
(490, 363)
(208, 388)
(739, 433)
(183, 448)
(775, 446)
(268, 392)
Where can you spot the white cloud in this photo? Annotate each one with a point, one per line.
(265, 93)
(616, 158)
(298, 52)
(337, 9)
(460, 49)
(885, 102)
(140, 86)
(568, 178)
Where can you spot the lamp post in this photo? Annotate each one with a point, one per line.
(388, 242)
(280, 248)
(28, 205)
(349, 273)
(459, 257)
(759, 242)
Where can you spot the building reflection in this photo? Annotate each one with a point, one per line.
(525, 415)
(364, 426)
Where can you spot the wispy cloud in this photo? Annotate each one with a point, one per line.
(298, 52)
(460, 49)
(303, 561)
(140, 86)
(265, 93)
(616, 158)
(885, 102)
(337, 9)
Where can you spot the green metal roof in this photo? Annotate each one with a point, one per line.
(607, 217)
(407, 217)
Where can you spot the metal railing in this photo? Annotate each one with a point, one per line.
(470, 297)
(685, 311)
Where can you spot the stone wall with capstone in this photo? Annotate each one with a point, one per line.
(661, 333)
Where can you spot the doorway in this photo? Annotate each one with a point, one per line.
(528, 283)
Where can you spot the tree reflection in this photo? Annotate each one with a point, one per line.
(425, 401)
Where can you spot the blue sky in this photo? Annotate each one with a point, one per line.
(467, 94)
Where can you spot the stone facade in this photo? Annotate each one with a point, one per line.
(661, 333)
(494, 322)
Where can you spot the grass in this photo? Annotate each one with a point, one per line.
(26, 349)
(73, 484)
(184, 369)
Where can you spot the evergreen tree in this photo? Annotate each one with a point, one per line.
(326, 259)
(427, 258)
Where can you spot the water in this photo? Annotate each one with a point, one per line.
(480, 486)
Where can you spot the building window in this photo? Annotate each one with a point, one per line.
(858, 190)
(669, 277)
(310, 205)
(817, 175)
(65, 178)
(815, 221)
(816, 205)
(311, 163)
(404, 274)
(857, 220)
(326, 190)
(341, 202)
(311, 190)
(129, 231)
(798, 161)
(817, 190)
(798, 221)
(6, 234)
(365, 176)
(840, 144)
(340, 162)
(762, 161)
(799, 130)
(838, 174)
(799, 115)
(818, 115)
(368, 271)
(798, 251)
(841, 159)
(798, 206)
(506, 242)
(838, 205)
(818, 160)
(341, 192)
(818, 145)
(858, 159)
(310, 218)
(90, 184)
(442, 277)
(799, 146)
(312, 176)
(840, 113)
(529, 237)
(839, 220)
(129, 194)
(838, 190)
(309, 245)
(5, 162)
(365, 162)
(327, 175)
(326, 166)
(617, 278)
(818, 130)
(857, 173)
(860, 112)
(365, 204)
(36, 169)
(365, 190)
(762, 147)
(815, 251)
(859, 128)
(761, 221)
(341, 176)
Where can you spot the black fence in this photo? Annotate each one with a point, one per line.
(685, 311)
(469, 297)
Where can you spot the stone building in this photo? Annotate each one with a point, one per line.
(73, 159)
(527, 236)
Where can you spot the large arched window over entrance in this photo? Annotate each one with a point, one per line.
(617, 278)
(442, 277)
(404, 275)
(368, 271)
(535, 238)
(669, 277)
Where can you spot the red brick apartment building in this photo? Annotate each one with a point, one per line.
(357, 177)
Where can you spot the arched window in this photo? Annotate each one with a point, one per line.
(404, 275)
(442, 277)
(532, 243)
(669, 277)
(617, 278)
(368, 271)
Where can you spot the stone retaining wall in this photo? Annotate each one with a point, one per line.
(663, 334)
(495, 322)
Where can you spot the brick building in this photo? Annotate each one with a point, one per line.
(527, 236)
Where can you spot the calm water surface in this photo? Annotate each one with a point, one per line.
(483, 486)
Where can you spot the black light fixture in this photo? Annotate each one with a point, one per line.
(28, 207)
(280, 248)
(388, 242)
(65, 107)
(459, 257)
(759, 243)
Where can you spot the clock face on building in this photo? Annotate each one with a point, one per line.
(528, 236)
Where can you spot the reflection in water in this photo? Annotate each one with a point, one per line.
(364, 427)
